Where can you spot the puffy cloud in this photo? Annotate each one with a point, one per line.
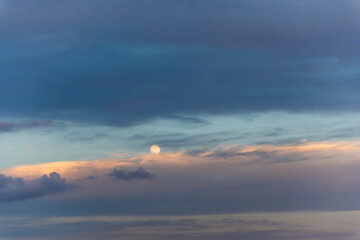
(124, 174)
(15, 188)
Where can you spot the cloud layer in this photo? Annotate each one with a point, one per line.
(12, 189)
(271, 226)
(302, 176)
(179, 71)
(15, 126)
(167, 59)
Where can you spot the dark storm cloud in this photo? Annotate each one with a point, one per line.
(126, 62)
(124, 174)
(15, 126)
(12, 189)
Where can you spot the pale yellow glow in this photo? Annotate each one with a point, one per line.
(155, 149)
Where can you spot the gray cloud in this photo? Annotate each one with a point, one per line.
(258, 156)
(88, 178)
(15, 126)
(124, 174)
(170, 59)
(12, 189)
(277, 181)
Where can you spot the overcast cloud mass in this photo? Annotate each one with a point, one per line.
(126, 62)
(254, 104)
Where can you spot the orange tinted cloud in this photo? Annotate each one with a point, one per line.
(310, 153)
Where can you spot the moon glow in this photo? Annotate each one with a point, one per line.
(155, 149)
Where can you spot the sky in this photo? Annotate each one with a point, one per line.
(253, 105)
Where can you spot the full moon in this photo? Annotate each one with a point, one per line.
(155, 149)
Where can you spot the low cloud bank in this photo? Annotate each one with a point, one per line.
(14, 188)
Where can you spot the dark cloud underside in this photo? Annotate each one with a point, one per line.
(126, 62)
(124, 174)
(13, 189)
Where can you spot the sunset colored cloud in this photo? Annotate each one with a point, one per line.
(303, 170)
(172, 120)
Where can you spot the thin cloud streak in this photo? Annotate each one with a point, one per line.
(17, 126)
(271, 226)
